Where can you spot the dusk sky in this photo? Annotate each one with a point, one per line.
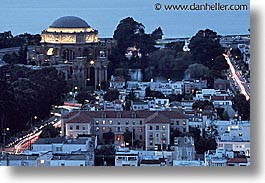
(33, 16)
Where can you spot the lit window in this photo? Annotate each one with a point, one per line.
(184, 122)
(164, 127)
(96, 122)
(103, 122)
(103, 128)
(97, 129)
(110, 122)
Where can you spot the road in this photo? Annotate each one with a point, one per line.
(240, 82)
(23, 143)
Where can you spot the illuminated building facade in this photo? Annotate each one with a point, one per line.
(72, 46)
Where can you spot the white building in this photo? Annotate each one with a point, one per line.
(184, 149)
(126, 157)
(70, 160)
(117, 82)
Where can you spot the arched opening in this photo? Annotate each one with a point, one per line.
(91, 76)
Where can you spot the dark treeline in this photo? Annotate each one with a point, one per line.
(172, 61)
(7, 40)
(27, 96)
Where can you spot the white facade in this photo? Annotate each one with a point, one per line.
(126, 157)
(73, 130)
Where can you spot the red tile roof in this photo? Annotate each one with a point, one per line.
(157, 118)
(222, 97)
(154, 116)
(237, 160)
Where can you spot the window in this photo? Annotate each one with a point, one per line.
(119, 123)
(157, 127)
(151, 128)
(71, 127)
(164, 127)
(184, 122)
(110, 122)
(97, 128)
(103, 128)
(140, 130)
(119, 129)
(59, 149)
(177, 122)
(62, 164)
(184, 129)
(141, 122)
(127, 123)
(103, 122)
(84, 127)
(77, 127)
(133, 122)
(96, 122)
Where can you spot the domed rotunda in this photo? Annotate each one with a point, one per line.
(70, 42)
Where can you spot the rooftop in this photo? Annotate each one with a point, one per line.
(69, 22)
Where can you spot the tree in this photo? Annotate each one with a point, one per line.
(205, 47)
(176, 46)
(225, 116)
(111, 95)
(82, 96)
(127, 32)
(128, 136)
(50, 132)
(196, 133)
(23, 54)
(157, 33)
(29, 93)
(236, 54)
(108, 137)
(175, 133)
(197, 71)
(168, 63)
(204, 144)
(205, 104)
(242, 106)
(220, 63)
(174, 97)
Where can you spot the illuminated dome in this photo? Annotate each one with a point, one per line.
(69, 22)
(69, 30)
